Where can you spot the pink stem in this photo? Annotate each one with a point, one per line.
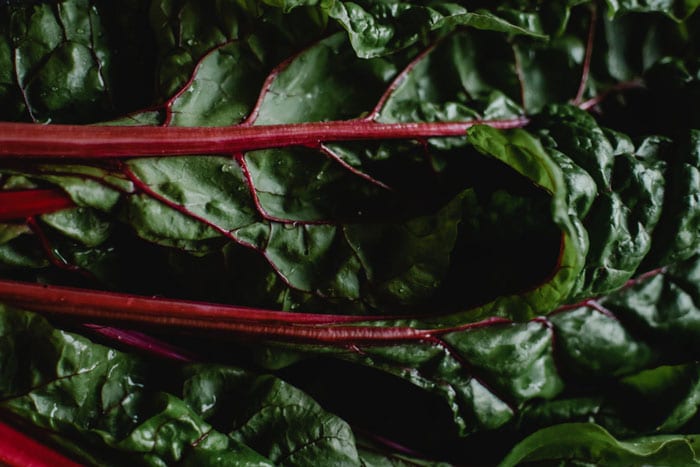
(19, 140)
(316, 329)
(19, 450)
(623, 86)
(16, 205)
(56, 260)
(98, 306)
(597, 306)
(141, 341)
(644, 276)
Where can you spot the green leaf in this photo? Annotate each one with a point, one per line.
(677, 236)
(42, 45)
(587, 442)
(665, 304)
(525, 155)
(380, 28)
(676, 9)
(223, 90)
(185, 31)
(124, 407)
(81, 224)
(11, 231)
(458, 81)
(630, 195)
(663, 384)
(256, 410)
(429, 238)
(595, 345)
(321, 84)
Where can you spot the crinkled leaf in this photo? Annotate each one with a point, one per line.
(121, 406)
(675, 9)
(630, 194)
(582, 363)
(42, 45)
(380, 28)
(509, 224)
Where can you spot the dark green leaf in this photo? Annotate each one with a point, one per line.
(126, 408)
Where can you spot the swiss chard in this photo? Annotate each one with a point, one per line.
(487, 211)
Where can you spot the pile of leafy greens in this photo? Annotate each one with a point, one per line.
(325, 232)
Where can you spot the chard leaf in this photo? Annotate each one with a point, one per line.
(587, 442)
(379, 28)
(184, 32)
(665, 305)
(677, 237)
(40, 46)
(587, 362)
(677, 10)
(272, 200)
(20, 253)
(223, 90)
(124, 408)
(333, 259)
(508, 282)
(630, 194)
(636, 42)
(107, 58)
(458, 81)
(384, 27)
(81, 224)
(255, 411)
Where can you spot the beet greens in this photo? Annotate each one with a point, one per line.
(330, 233)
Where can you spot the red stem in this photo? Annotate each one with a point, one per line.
(19, 450)
(142, 342)
(49, 251)
(623, 86)
(597, 306)
(26, 203)
(586, 67)
(18, 140)
(98, 306)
